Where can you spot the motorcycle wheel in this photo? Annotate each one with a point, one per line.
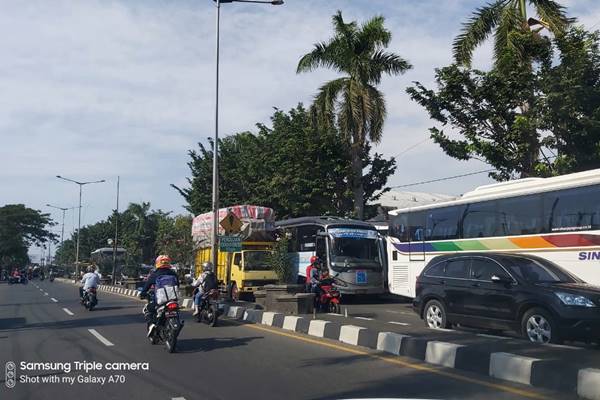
(171, 337)
(334, 308)
(211, 315)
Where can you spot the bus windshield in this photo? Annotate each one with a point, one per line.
(354, 248)
(257, 260)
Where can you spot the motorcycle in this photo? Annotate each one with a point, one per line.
(165, 320)
(329, 299)
(23, 279)
(89, 299)
(42, 277)
(209, 309)
(51, 278)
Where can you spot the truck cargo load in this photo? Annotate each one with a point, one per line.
(258, 224)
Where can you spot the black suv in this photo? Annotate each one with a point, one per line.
(500, 291)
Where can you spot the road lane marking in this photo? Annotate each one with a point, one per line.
(45, 293)
(398, 323)
(443, 330)
(54, 300)
(337, 315)
(68, 311)
(101, 338)
(177, 398)
(406, 364)
(364, 318)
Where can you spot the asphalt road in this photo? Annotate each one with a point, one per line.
(231, 361)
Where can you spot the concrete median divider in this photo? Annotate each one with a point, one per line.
(478, 358)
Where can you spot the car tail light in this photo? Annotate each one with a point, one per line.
(172, 306)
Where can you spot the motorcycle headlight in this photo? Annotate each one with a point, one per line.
(571, 299)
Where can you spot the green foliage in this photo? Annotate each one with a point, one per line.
(20, 228)
(138, 234)
(353, 104)
(280, 261)
(507, 20)
(174, 237)
(293, 167)
(535, 119)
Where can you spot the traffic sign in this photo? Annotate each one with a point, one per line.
(230, 244)
(231, 223)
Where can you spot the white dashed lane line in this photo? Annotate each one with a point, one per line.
(68, 311)
(54, 300)
(398, 323)
(45, 293)
(364, 318)
(101, 338)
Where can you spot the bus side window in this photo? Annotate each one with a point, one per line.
(321, 251)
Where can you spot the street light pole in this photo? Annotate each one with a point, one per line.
(114, 269)
(215, 192)
(62, 231)
(81, 184)
(215, 180)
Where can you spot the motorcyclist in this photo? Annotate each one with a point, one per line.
(314, 261)
(315, 282)
(163, 267)
(203, 284)
(89, 280)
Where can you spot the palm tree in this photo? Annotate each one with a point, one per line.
(353, 101)
(503, 18)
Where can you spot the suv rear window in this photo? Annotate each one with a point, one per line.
(458, 268)
(436, 269)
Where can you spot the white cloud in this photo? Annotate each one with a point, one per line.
(102, 88)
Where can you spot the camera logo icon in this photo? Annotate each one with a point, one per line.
(10, 373)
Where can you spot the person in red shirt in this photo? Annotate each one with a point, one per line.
(313, 264)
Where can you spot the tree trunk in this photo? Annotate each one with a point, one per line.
(357, 184)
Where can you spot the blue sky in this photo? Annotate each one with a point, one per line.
(99, 88)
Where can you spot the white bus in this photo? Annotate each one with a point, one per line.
(556, 218)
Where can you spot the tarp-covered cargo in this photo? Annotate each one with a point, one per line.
(258, 224)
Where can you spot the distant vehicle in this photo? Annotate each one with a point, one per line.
(555, 218)
(524, 293)
(351, 250)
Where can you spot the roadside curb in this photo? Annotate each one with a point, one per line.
(472, 358)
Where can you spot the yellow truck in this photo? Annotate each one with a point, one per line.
(244, 272)
(239, 273)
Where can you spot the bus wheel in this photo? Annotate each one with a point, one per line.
(233, 292)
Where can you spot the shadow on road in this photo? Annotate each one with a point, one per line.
(209, 344)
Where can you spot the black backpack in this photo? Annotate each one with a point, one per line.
(210, 282)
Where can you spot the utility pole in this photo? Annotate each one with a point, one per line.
(114, 270)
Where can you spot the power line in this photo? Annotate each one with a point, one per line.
(411, 147)
(442, 179)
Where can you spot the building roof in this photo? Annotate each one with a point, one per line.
(396, 199)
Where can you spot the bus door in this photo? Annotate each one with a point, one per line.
(416, 239)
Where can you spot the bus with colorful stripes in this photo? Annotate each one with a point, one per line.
(556, 218)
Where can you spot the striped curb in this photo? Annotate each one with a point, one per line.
(476, 358)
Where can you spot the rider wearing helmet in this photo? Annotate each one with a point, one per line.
(163, 267)
(204, 283)
(89, 280)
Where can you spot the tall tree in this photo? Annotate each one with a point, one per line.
(507, 20)
(353, 102)
(483, 110)
(20, 228)
(292, 166)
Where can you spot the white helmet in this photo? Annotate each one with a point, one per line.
(207, 267)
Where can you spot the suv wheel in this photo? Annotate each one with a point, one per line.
(538, 326)
(435, 315)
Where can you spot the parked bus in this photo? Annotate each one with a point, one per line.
(556, 218)
(351, 249)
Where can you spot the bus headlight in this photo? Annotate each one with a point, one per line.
(570, 299)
